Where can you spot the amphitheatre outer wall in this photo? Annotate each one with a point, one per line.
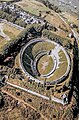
(56, 81)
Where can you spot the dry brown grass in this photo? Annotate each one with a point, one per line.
(53, 18)
(59, 72)
(71, 18)
(2, 42)
(32, 6)
(11, 31)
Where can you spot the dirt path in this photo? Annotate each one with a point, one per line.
(69, 106)
(25, 103)
(2, 33)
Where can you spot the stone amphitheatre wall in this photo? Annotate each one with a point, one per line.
(32, 75)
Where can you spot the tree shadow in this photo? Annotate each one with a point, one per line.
(74, 83)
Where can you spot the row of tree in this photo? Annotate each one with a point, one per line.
(50, 5)
(12, 18)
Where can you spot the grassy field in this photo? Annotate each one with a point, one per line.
(71, 18)
(45, 65)
(40, 46)
(32, 6)
(59, 72)
(2, 42)
(10, 31)
(55, 20)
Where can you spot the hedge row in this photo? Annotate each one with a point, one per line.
(12, 18)
(50, 5)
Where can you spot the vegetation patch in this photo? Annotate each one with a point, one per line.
(40, 46)
(45, 65)
(10, 32)
(59, 72)
(32, 6)
(52, 36)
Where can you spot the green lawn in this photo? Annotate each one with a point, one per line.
(59, 72)
(42, 67)
(40, 46)
(32, 6)
(10, 31)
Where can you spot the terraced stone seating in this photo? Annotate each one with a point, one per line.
(45, 60)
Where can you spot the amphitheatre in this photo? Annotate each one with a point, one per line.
(44, 60)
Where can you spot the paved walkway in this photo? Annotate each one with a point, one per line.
(57, 100)
(37, 94)
(13, 25)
